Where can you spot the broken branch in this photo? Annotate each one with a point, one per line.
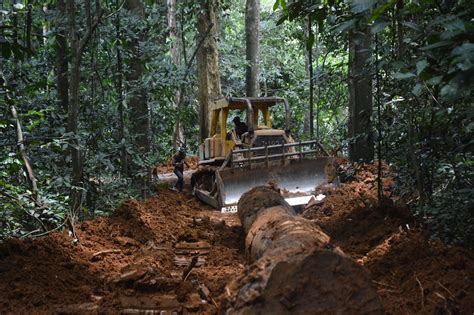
(188, 270)
(106, 251)
(422, 292)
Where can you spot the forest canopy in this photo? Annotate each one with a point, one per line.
(95, 93)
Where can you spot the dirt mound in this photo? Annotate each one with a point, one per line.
(412, 273)
(167, 167)
(133, 260)
(415, 275)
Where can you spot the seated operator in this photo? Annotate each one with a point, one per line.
(240, 127)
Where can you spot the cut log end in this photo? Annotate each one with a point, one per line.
(258, 199)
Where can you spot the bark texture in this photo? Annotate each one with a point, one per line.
(209, 82)
(77, 49)
(176, 47)
(360, 95)
(252, 34)
(295, 268)
(139, 112)
(62, 78)
(119, 88)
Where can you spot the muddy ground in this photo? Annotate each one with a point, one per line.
(138, 259)
(413, 274)
(133, 260)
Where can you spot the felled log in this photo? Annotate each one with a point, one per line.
(295, 269)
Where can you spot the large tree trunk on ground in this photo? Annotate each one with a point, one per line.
(296, 270)
(361, 146)
(209, 81)
(137, 100)
(252, 33)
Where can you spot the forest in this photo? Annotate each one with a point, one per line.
(97, 96)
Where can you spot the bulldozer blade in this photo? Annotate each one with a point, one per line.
(294, 178)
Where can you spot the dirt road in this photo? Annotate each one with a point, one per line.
(138, 259)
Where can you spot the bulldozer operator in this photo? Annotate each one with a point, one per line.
(240, 127)
(179, 160)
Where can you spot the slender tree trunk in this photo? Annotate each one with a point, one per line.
(209, 83)
(379, 123)
(252, 34)
(62, 78)
(137, 100)
(73, 115)
(119, 88)
(307, 118)
(29, 22)
(311, 80)
(77, 49)
(178, 134)
(361, 146)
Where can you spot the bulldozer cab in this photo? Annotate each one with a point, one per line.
(223, 139)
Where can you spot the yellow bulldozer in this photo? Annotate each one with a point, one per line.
(231, 164)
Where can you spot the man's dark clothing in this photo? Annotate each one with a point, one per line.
(240, 128)
(178, 163)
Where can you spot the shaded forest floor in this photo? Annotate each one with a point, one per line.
(138, 258)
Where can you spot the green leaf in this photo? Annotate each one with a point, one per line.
(276, 5)
(417, 89)
(463, 56)
(420, 66)
(412, 25)
(378, 27)
(382, 9)
(403, 76)
(345, 26)
(358, 6)
(435, 80)
(436, 45)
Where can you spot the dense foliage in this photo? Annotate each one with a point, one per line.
(422, 67)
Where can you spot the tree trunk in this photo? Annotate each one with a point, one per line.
(176, 46)
(119, 88)
(296, 269)
(307, 118)
(62, 78)
(209, 82)
(77, 49)
(73, 116)
(28, 26)
(252, 33)
(139, 112)
(361, 146)
(311, 79)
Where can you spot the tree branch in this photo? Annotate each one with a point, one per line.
(90, 29)
(21, 148)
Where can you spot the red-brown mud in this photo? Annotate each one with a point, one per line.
(133, 260)
(413, 274)
(167, 167)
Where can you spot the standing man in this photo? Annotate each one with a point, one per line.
(178, 163)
